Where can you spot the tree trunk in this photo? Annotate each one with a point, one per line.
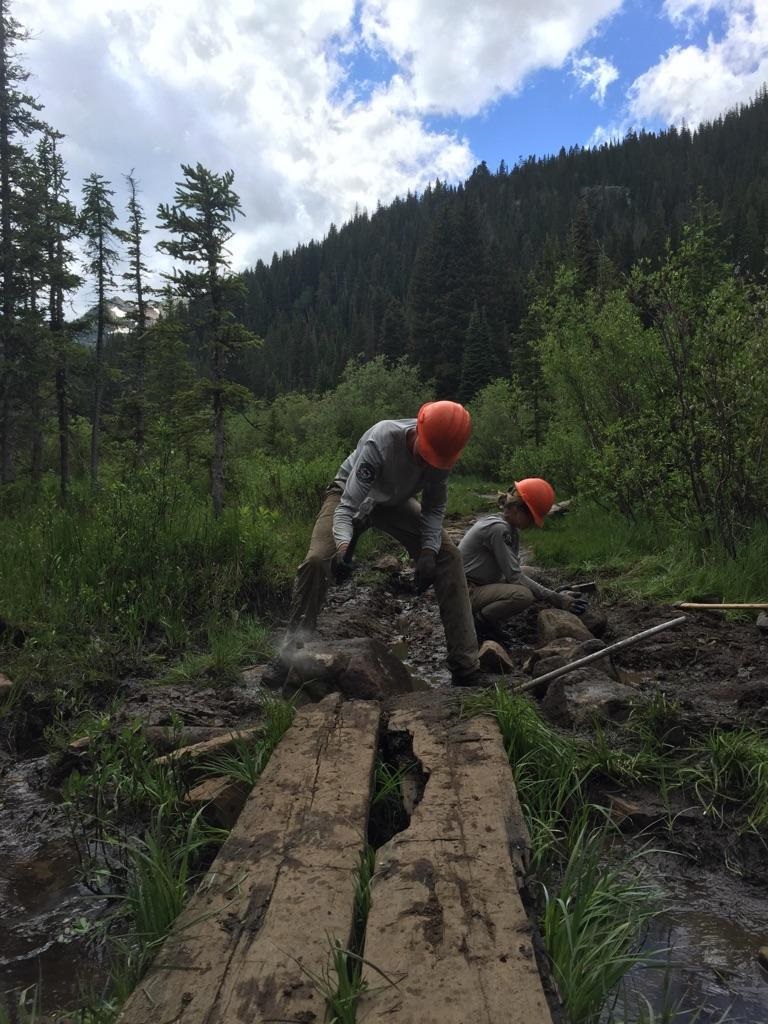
(217, 467)
(97, 388)
(63, 418)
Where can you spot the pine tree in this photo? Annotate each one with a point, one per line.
(136, 277)
(204, 207)
(99, 228)
(17, 121)
(480, 364)
(60, 226)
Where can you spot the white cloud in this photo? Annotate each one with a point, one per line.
(267, 88)
(596, 73)
(457, 57)
(695, 83)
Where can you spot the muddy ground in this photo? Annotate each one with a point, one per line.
(714, 882)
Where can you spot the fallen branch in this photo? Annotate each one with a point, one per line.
(630, 640)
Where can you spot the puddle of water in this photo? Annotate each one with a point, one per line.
(42, 902)
(713, 929)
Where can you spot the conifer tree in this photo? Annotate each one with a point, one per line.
(203, 209)
(18, 120)
(100, 230)
(480, 363)
(135, 276)
(60, 226)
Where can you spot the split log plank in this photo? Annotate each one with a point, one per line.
(282, 885)
(447, 924)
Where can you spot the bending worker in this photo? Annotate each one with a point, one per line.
(394, 461)
(490, 550)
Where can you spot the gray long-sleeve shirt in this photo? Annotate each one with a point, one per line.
(490, 551)
(382, 467)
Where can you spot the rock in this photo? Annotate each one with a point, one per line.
(762, 957)
(577, 699)
(387, 563)
(5, 686)
(251, 676)
(554, 624)
(762, 621)
(493, 658)
(595, 621)
(223, 799)
(361, 668)
(559, 653)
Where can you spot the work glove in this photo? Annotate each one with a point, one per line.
(574, 601)
(342, 569)
(426, 570)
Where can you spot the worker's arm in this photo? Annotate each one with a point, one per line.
(505, 552)
(434, 499)
(367, 468)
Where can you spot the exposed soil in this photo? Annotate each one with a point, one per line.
(715, 882)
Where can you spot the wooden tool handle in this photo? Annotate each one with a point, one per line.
(690, 604)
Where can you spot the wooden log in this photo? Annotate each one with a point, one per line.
(216, 745)
(281, 888)
(446, 922)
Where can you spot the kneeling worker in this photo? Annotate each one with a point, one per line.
(490, 550)
(394, 461)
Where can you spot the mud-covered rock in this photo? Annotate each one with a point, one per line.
(388, 564)
(595, 621)
(576, 700)
(361, 668)
(493, 658)
(554, 623)
(561, 652)
(762, 622)
(5, 686)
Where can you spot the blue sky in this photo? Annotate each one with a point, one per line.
(322, 106)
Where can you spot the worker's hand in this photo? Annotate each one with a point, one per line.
(342, 570)
(574, 601)
(426, 570)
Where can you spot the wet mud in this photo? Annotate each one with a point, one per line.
(713, 883)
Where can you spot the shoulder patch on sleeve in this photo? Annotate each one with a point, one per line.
(365, 472)
(508, 538)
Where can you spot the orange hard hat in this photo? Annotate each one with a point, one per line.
(442, 430)
(538, 495)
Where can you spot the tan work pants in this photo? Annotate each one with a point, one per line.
(403, 523)
(499, 601)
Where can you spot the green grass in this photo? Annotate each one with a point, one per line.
(728, 772)
(248, 758)
(661, 564)
(594, 909)
(593, 921)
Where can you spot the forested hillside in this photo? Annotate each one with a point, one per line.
(406, 279)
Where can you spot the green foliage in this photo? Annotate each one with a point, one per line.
(665, 564)
(302, 426)
(729, 770)
(248, 758)
(158, 882)
(593, 924)
(657, 390)
(500, 446)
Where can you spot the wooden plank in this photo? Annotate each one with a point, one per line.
(282, 885)
(216, 745)
(446, 922)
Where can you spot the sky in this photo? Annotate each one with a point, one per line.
(324, 106)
